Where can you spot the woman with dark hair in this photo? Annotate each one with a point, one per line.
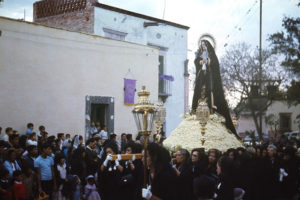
(184, 174)
(162, 178)
(208, 75)
(77, 164)
(199, 161)
(110, 173)
(225, 187)
(231, 153)
(213, 157)
(133, 170)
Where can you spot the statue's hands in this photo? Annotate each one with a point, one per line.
(204, 61)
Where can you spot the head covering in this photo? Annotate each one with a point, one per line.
(89, 177)
(238, 193)
(76, 142)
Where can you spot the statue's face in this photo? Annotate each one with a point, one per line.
(203, 45)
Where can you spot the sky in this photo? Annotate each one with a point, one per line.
(229, 21)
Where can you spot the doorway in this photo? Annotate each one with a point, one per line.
(99, 109)
(99, 113)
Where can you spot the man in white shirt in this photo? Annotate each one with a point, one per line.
(8, 131)
(103, 133)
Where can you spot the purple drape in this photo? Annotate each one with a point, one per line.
(166, 77)
(129, 87)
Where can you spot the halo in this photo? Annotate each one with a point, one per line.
(209, 38)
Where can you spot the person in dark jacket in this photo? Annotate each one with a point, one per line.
(213, 157)
(110, 173)
(184, 174)
(225, 187)
(132, 171)
(91, 158)
(32, 154)
(199, 161)
(204, 187)
(289, 182)
(77, 164)
(162, 178)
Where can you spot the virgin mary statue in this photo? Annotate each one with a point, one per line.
(208, 83)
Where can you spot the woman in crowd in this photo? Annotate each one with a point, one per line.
(110, 173)
(128, 180)
(199, 161)
(162, 178)
(77, 164)
(224, 171)
(184, 174)
(213, 156)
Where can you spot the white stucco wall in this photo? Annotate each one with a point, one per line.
(172, 38)
(45, 74)
(278, 107)
(246, 123)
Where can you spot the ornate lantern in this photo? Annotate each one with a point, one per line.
(159, 119)
(202, 114)
(144, 112)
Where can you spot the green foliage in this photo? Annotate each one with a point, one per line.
(293, 92)
(288, 44)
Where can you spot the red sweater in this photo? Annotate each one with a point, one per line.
(19, 190)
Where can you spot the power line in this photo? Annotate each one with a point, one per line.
(231, 13)
(238, 27)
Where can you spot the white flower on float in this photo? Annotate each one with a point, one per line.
(188, 135)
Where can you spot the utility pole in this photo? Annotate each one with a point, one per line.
(260, 67)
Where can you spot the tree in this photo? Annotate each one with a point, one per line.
(293, 92)
(241, 78)
(287, 43)
(273, 121)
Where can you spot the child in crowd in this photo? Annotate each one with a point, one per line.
(90, 190)
(32, 140)
(71, 188)
(19, 187)
(29, 180)
(5, 186)
(61, 173)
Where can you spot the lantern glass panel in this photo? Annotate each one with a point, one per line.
(137, 121)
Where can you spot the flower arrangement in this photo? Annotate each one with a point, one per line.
(188, 135)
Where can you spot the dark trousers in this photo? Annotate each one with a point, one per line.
(47, 187)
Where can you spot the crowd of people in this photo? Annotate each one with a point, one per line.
(36, 165)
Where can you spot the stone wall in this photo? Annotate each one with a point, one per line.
(75, 15)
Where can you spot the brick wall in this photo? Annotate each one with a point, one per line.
(76, 15)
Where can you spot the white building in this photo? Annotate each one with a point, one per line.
(64, 79)
(116, 23)
(284, 116)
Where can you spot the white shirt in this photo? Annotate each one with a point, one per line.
(62, 171)
(103, 134)
(5, 138)
(32, 142)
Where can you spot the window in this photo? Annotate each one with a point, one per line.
(114, 34)
(285, 121)
(161, 72)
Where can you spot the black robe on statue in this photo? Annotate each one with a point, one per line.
(211, 78)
